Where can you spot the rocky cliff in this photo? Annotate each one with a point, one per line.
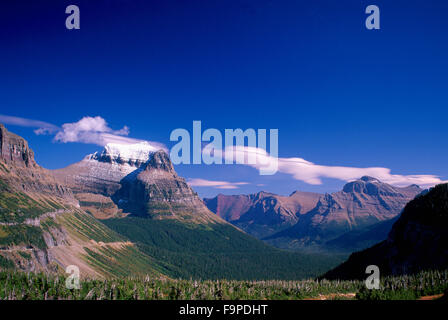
(14, 149)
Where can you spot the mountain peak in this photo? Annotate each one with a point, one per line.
(365, 184)
(369, 179)
(160, 160)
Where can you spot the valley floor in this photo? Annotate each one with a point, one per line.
(29, 286)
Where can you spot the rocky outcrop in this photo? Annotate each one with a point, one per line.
(263, 213)
(418, 241)
(360, 204)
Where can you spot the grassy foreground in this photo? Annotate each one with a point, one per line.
(30, 286)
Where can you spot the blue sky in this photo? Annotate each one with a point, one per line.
(340, 95)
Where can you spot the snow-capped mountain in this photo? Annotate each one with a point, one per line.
(139, 179)
(101, 172)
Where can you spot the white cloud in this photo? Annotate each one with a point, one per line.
(215, 184)
(311, 173)
(94, 130)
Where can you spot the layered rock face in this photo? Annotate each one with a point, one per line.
(263, 214)
(418, 241)
(21, 172)
(14, 149)
(139, 179)
(360, 204)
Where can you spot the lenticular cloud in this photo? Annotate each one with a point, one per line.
(215, 184)
(311, 173)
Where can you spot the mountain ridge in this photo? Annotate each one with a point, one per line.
(359, 204)
(418, 241)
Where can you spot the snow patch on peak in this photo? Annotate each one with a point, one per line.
(138, 151)
(134, 155)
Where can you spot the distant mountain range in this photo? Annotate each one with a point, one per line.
(121, 212)
(354, 218)
(418, 241)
